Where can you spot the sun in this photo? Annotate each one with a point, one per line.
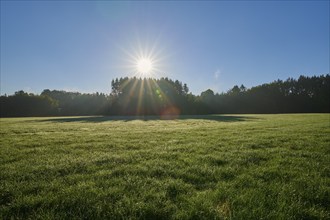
(146, 60)
(144, 66)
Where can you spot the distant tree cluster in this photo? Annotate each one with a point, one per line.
(53, 103)
(307, 94)
(75, 103)
(136, 96)
(147, 96)
(24, 104)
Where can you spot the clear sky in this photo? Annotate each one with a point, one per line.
(81, 46)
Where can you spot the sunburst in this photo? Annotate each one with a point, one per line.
(144, 66)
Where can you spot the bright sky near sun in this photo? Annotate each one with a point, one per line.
(82, 45)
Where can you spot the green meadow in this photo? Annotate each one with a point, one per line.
(191, 167)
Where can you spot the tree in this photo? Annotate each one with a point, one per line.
(137, 96)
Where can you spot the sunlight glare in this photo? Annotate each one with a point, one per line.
(146, 60)
(144, 66)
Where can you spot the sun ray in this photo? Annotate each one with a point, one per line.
(162, 93)
(150, 54)
(130, 93)
(140, 97)
(153, 103)
(170, 111)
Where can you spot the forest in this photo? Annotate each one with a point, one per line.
(164, 96)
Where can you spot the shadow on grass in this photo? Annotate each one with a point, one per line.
(96, 119)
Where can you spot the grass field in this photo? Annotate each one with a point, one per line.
(206, 167)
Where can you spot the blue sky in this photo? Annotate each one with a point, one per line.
(81, 46)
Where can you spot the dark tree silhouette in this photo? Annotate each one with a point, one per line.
(137, 96)
(24, 104)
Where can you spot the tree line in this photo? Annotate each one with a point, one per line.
(147, 96)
